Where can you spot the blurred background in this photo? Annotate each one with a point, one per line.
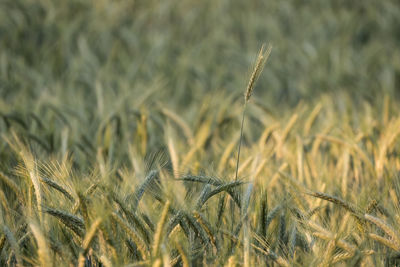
(78, 63)
(181, 50)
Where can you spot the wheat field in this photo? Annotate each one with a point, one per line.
(164, 133)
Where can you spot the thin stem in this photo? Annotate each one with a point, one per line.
(240, 141)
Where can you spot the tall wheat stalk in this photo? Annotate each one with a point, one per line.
(258, 68)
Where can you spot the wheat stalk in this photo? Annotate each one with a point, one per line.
(105, 261)
(207, 228)
(88, 240)
(185, 260)
(157, 263)
(159, 229)
(142, 246)
(2, 243)
(258, 67)
(43, 249)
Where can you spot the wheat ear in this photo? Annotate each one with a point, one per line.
(387, 242)
(258, 68)
(395, 241)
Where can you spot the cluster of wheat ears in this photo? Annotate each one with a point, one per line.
(299, 196)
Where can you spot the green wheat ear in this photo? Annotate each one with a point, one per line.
(257, 69)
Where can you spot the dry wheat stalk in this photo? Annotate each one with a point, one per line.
(105, 261)
(160, 226)
(185, 260)
(43, 249)
(2, 243)
(88, 240)
(157, 263)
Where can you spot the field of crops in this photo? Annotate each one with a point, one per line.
(164, 133)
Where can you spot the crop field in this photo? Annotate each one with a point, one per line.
(199, 133)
